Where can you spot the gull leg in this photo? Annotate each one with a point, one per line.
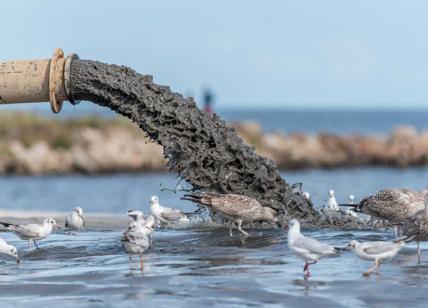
(29, 244)
(419, 253)
(371, 269)
(37, 247)
(230, 228)
(130, 262)
(141, 262)
(396, 231)
(377, 261)
(240, 229)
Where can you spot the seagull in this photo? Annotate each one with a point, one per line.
(32, 232)
(350, 211)
(331, 202)
(135, 242)
(306, 195)
(166, 214)
(393, 205)
(306, 248)
(377, 251)
(416, 226)
(75, 220)
(9, 250)
(235, 208)
(137, 216)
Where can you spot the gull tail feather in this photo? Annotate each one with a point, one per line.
(7, 225)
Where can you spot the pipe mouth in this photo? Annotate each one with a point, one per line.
(67, 78)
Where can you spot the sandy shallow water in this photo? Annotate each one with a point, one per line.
(203, 266)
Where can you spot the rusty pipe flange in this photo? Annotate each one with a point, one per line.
(55, 75)
(67, 81)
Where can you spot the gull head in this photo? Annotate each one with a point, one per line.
(331, 193)
(306, 195)
(294, 226)
(51, 222)
(79, 210)
(12, 251)
(135, 214)
(154, 200)
(269, 214)
(352, 245)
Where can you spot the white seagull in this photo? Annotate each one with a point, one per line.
(135, 242)
(75, 220)
(32, 232)
(306, 248)
(9, 250)
(306, 195)
(166, 214)
(377, 251)
(331, 201)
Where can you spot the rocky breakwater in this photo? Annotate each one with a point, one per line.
(404, 147)
(36, 145)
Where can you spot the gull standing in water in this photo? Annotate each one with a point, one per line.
(166, 214)
(9, 250)
(235, 208)
(393, 205)
(32, 232)
(377, 251)
(135, 242)
(306, 248)
(75, 220)
(148, 225)
(416, 227)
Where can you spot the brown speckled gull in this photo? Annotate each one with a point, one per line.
(235, 208)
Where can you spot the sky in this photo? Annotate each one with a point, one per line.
(253, 54)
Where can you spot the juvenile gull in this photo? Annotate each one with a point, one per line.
(306, 248)
(32, 232)
(377, 251)
(393, 205)
(135, 242)
(75, 220)
(9, 250)
(166, 214)
(236, 208)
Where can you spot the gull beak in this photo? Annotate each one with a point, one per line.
(18, 260)
(58, 227)
(286, 227)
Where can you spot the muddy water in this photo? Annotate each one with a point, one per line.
(205, 151)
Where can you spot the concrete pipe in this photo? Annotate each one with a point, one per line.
(46, 80)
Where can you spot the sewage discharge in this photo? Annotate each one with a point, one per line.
(202, 148)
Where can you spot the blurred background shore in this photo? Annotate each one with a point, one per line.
(37, 143)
